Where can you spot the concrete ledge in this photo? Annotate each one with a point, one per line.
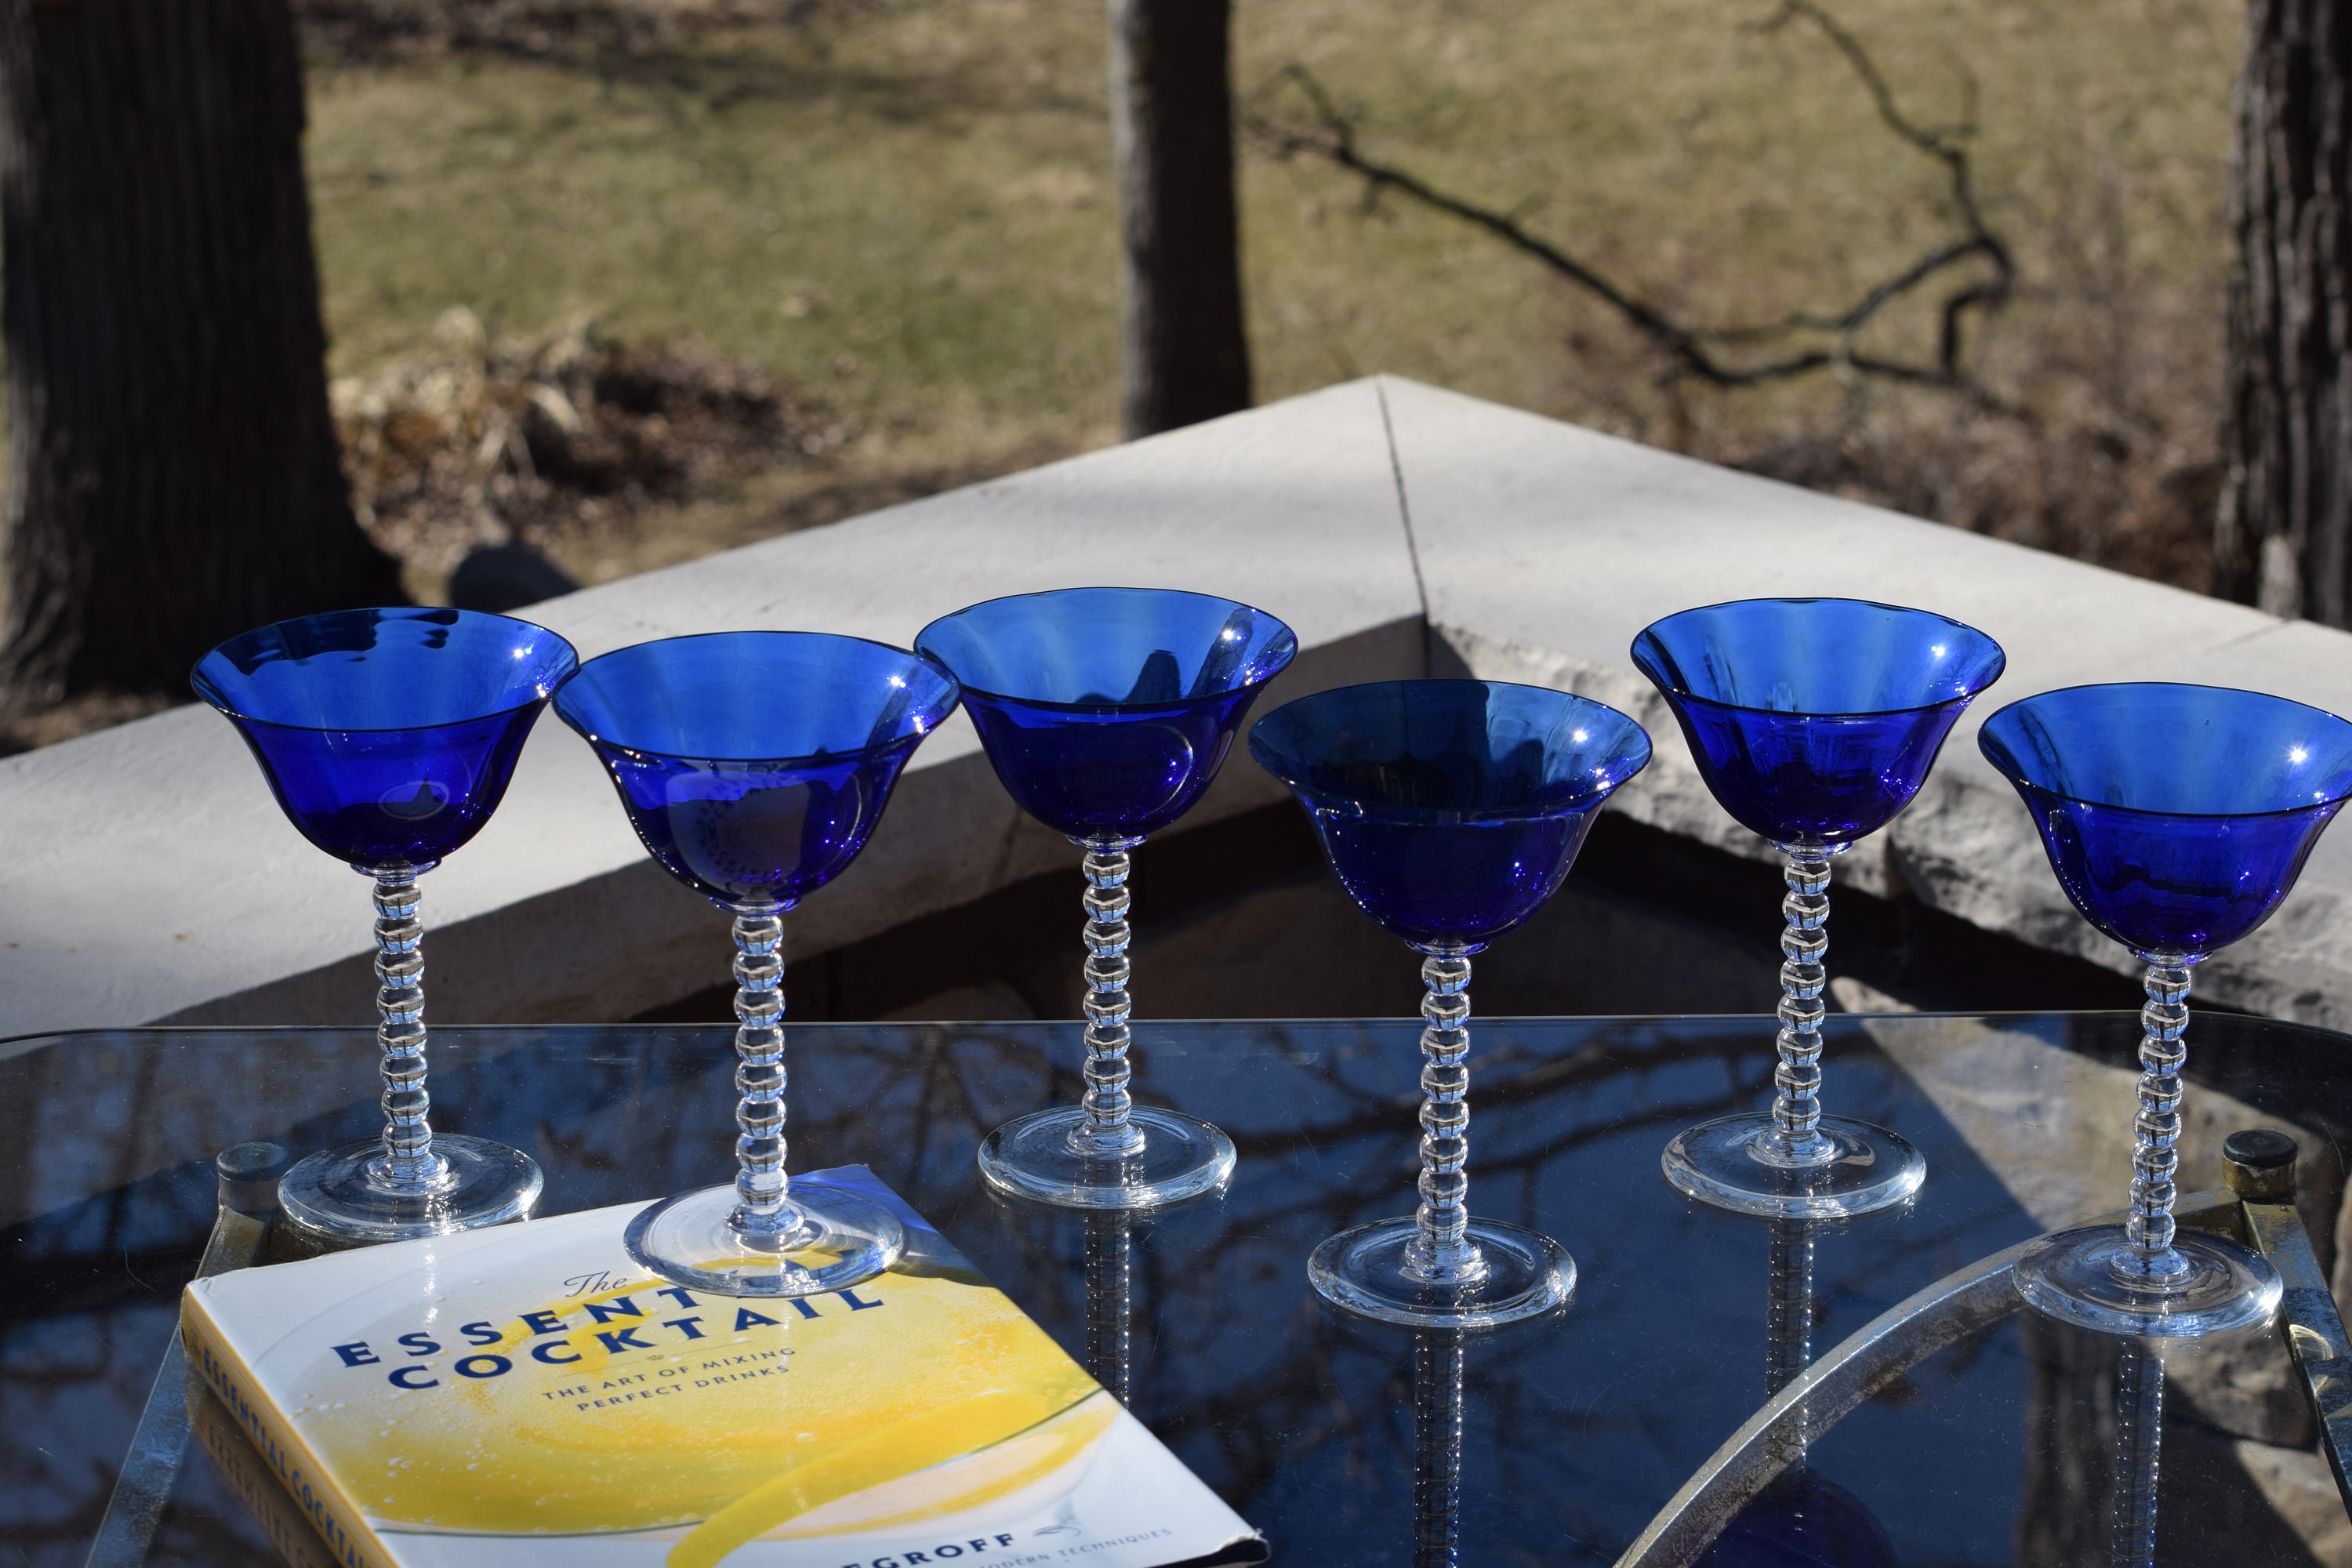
(1401, 529)
(154, 879)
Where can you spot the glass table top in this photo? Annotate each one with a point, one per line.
(1551, 1442)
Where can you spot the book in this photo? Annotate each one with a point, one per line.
(528, 1394)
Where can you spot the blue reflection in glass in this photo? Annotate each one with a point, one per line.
(387, 735)
(1106, 712)
(1450, 809)
(1801, 1519)
(1815, 721)
(2177, 817)
(755, 765)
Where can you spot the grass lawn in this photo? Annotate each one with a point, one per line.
(908, 209)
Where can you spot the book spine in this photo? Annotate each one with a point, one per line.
(290, 1535)
(338, 1520)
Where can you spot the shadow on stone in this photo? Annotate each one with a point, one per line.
(503, 577)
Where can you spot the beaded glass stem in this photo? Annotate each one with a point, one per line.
(2148, 1277)
(409, 1162)
(1796, 1164)
(1439, 1265)
(407, 1183)
(1106, 1152)
(1110, 1133)
(1795, 1138)
(763, 1212)
(753, 1238)
(1442, 1251)
(2156, 1156)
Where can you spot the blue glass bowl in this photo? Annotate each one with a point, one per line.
(2177, 817)
(388, 736)
(755, 765)
(1815, 721)
(1106, 712)
(1450, 809)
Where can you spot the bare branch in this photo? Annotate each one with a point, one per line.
(1326, 132)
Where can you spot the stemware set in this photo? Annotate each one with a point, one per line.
(755, 765)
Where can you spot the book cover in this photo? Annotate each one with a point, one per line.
(528, 1394)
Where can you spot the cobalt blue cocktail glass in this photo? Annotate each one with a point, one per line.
(2176, 819)
(754, 765)
(388, 737)
(1451, 810)
(1106, 712)
(1814, 722)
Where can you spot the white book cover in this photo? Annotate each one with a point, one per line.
(529, 1395)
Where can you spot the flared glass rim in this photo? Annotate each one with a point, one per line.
(1265, 756)
(1677, 691)
(1985, 742)
(810, 760)
(1205, 700)
(217, 700)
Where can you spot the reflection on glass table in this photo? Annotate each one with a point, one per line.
(1346, 1441)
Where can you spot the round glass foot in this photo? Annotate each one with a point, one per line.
(1727, 1164)
(2073, 1275)
(843, 1240)
(333, 1197)
(1364, 1272)
(1037, 1157)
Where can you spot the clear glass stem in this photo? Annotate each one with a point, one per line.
(1442, 1252)
(2140, 1438)
(1107, 1132)
(1789, 1314)
(765, 1216)
(2152, 1262)
(1437, 1449)
(1795, 1138)
(408, 1165)
(1110, 1302)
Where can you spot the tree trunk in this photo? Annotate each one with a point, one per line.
(173, 472)
(1171, 112)
(2283, 538)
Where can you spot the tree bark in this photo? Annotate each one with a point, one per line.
(173, 474)
(2284, 537)
(1186, 355)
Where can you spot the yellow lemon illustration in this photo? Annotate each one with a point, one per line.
(636, 1413)
(1013, 1434)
